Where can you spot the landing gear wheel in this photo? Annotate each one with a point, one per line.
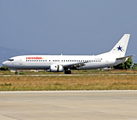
(16, 73)
(67, 72)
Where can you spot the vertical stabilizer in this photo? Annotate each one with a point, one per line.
(119, 50)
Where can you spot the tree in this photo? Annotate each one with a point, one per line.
(135, 66)
(126, 65)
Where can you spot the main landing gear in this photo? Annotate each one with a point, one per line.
(67, 72)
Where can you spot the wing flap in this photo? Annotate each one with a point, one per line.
(79, 64)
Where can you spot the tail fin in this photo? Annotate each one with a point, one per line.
(119, 50)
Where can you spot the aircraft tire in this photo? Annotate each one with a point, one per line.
(16, 73)
(67, 72)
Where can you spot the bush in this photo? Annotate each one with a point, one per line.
(21, 73)
(135, 66)
(4, 68)
(126, 65)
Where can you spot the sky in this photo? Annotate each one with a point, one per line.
(87, 27)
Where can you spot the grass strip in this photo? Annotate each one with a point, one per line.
(94, 82)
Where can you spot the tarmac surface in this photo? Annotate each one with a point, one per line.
(68, 105)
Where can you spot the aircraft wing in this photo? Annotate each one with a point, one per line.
(123, 58)
(79, 64)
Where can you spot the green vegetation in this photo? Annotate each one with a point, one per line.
(21, 73)
(6, 84)
(5, 68)
(135, 66)
(126, 65)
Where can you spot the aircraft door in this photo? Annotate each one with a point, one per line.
(106, 62)
(12, 62)
(20, 61)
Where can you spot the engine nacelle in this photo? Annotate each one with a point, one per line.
(56, 68)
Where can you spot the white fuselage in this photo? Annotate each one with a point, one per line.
(45, 61)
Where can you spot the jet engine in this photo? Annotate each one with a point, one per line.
(56, 68)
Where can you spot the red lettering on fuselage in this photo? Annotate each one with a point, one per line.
(37, 58)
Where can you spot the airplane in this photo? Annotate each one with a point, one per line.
(66, 63)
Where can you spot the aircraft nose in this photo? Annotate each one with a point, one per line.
(7, 64)
(3, 64)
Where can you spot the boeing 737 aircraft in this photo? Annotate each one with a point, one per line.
(60, 63)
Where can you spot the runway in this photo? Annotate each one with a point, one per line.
(68, 105)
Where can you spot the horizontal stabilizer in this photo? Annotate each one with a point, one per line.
(122, 58)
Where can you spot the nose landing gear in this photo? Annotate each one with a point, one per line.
(16, 73)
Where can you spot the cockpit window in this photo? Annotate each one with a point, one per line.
(10, 59)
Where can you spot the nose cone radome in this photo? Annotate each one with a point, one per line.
(3, 64)
(6, 64)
